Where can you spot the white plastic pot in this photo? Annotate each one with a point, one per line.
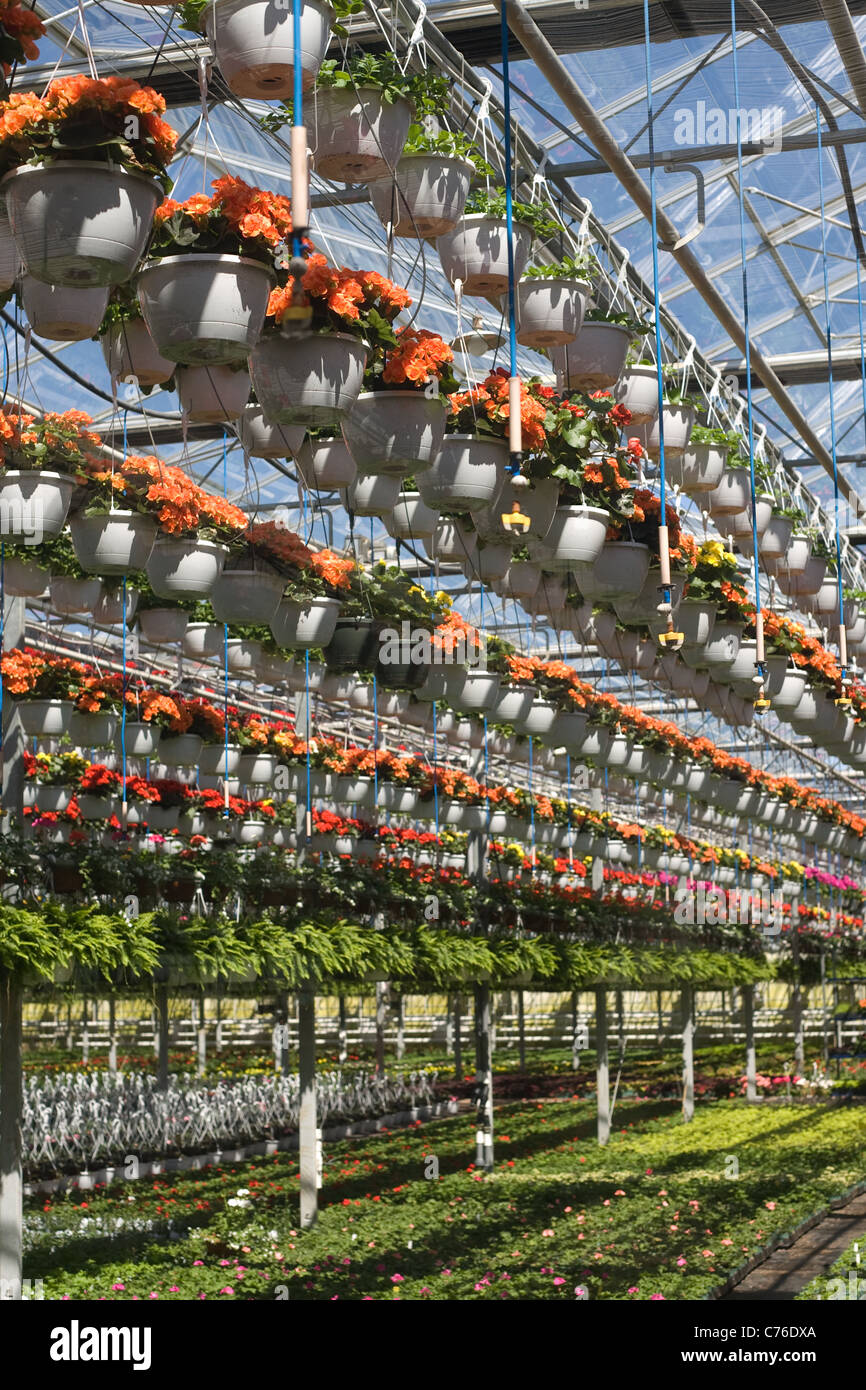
(395, 431)
(491, 563)
(114, 542)
(310, 379)
(740, 525)
(218, 761)
(520, 580)
(550, 312)
(806, 581)
(452, 540)
(698, 470)
(678, 422)
(130, 352)
(776, 537)
(732, 494)
(411, 518)
(643, 608)
(476, 253)
(425, 197)
(203, 641)
(467, 473)
(473, 691)
(264, 440)
(114, 607)
(26, 579)
(242, 655)
(34, 503)
(212, 395)
(538, 502)
(183, 568)
(180, 750)
(9, 257)
(594, 361)
(354, 135)
(372, 494)
(620, 569)
(638, 390)
(325, 464)
(80, 222)
(247, 595)
(304, 625)
(253, 43)
(139, 738)
(204, 308)
(44, 718)
(796, 556)
(576, 536)
(60, 312)
(258, 769)
(70, 595)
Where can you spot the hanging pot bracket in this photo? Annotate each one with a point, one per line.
(701, 208)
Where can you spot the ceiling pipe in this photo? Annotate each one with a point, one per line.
(536, 47)
(841, 26)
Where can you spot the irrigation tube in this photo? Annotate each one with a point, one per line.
(535, 45)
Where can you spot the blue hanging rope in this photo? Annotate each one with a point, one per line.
(515, 459)
(760, 664)
(225, 662)
(666, 589)
(842, 644)
(862, 339)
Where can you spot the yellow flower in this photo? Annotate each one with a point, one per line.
(442, 597)
(416, 589)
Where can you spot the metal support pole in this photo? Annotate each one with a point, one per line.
(483, 1080)
(602, 1066)
(688, 1007)
(797, 1006)
(841, 26)
(85, 1035)
(343, 1047)
(398, 1019)
(162, 1037)
(112, 1034)
(309, 1165)
(11, 1109)
(575, 1038)
(521, 1030)
(458, 1038)
(749, 1025)
(201, 1040)
(218, 1032)
(381, 1019)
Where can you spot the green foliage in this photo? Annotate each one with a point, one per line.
(451, 144)
(582, 267)
(636, 327)
(491, 202)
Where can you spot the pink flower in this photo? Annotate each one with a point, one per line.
(197, 1262)
(174, 1289)
(655, 1297)
(633, 1289)
(228, 1289)
(681, 1262)
(771, 1206)
(547, 1232)
(396, 1278)
(118, 1288)
(559, 1279)
(619, 1192)
(707, 1254)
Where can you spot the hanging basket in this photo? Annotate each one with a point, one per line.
(775, 538)
(520, 581)
(619, 570)
(112, 542)
(372, 494)
(491, 563)
(44, 718)
(354, 791)
(262, 439)
(411, 518)
(355, 135)
(258, 769)
(538, 501)
(476, 253)
(80, 222)
(698, 470)
(24, 578)
(203, 641)
(243, 655)
(113, 607)
(732, 494)
(247, 595)
(92, 730)
(217, 760)
(594, 361)
(180, 750)
(576, 535)
(468, 473)
(70, 595)
(212, 395)
(306, 624)
(204, 308)
(140, 739)
(550, 312)
(253, 43)
(425, 197)
(638, 390)
(183, 568)
(61, 313)
(93, 807)
(131, 354)
(678, 421)
(644, 608)
(310, 379)
(352, 644)
(452, 541)
(34, 503)
(398, 800)
(9, 258)
(473, 692)
(805, 581)
(395, 431)
(325, 464)
(163, 626)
